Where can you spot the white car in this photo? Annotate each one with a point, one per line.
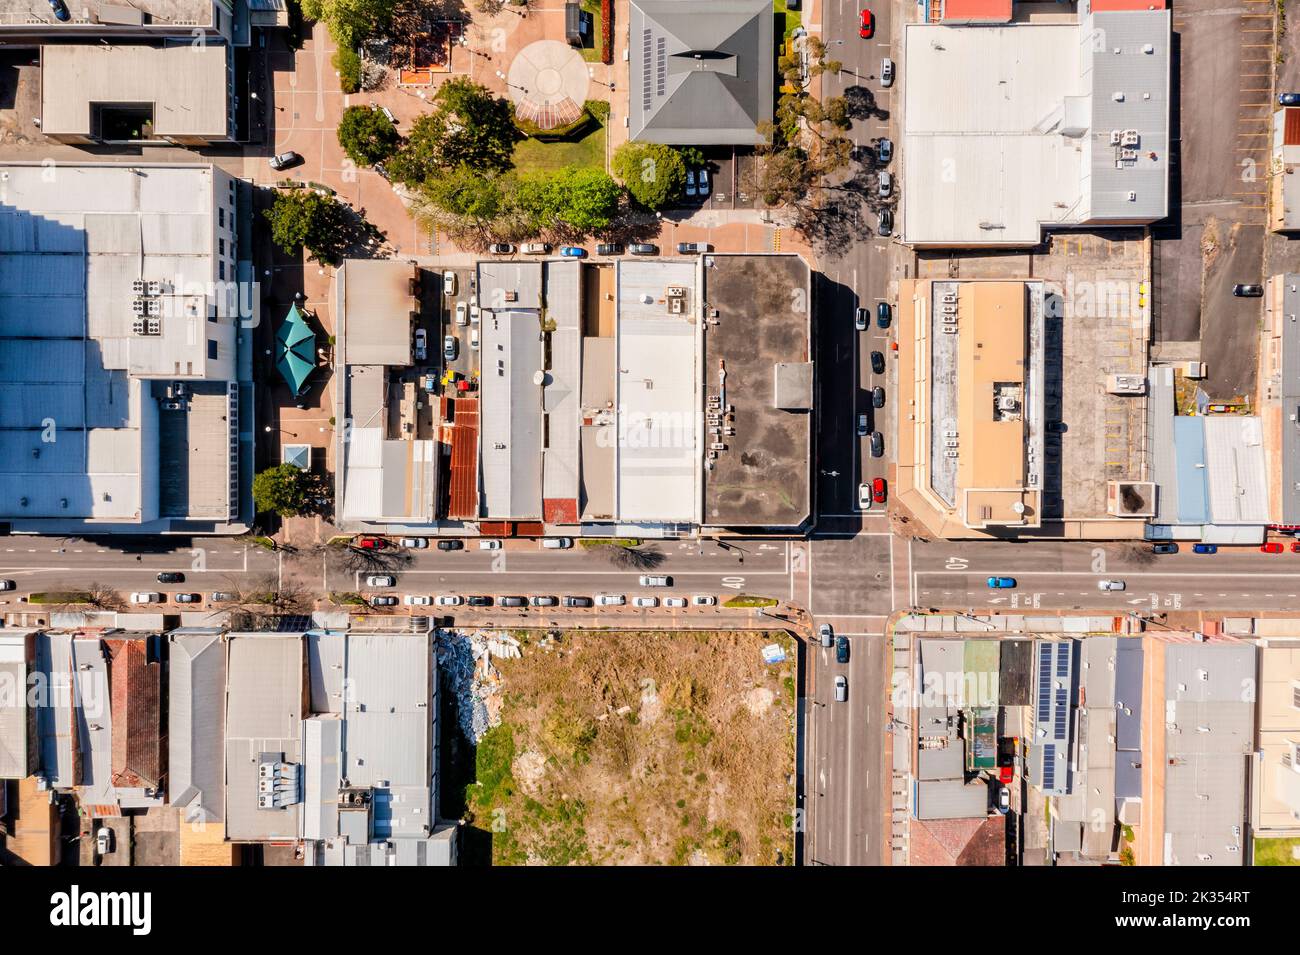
(462, 313)
(674, 601)
(557, 543)
(489, 545)
(864, 496)
(473, 337)
(147, 597)
(449, 600)
(645, 601)
(416, 600)
(104, 840)
(610, 600)
(381, 580)
(415, 543)
(1110, 585)
(449, 282)
(6, 585)
(704, 600)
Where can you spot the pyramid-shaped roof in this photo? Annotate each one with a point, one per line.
(295, 352)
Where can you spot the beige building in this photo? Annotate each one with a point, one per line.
(1275, 786)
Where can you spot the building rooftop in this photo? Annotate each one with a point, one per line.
(702, 71)
(17, 741)
(377, 299)
(511, 417)
(185, 86)
(102, 14)
(139, 744)
(196, 718)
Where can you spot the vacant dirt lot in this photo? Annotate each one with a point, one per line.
(640, 749)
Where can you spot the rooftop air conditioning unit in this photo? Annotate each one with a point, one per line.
(675, 291)
(153, 306)
(138, 306)
(137, 287)
(155, 288)
(1115, 136)
(138, 327)
(154, 326)
(1007, 403)
(1131, 137)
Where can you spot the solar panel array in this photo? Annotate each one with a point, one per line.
(1052, 710)
(1049, 766)
(661, 80)
(647, 47)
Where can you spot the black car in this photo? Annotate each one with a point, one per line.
(884, 314)
(514, 602)
(479, 601)
(878, 397)
(451, 545)
(886, 227)
(1165, 548)
(877, 444)
(501, 248)
(609, 248)
(577, 601)
(841, 649)
(171, 577)
(1248, 291)
(877, 363)
(1288, 99)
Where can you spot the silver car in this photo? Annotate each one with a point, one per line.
(826, 634)
(841, 688)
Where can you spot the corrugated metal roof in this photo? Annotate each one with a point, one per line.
(196, 697)
(463, 494)
(1189, 455)
(1289, 385)
(17, 743)
(511, 415)
(951, 799)
(1235, 470)
(60, 754)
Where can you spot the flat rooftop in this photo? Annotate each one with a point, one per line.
(377, 299)
(761, 479)
(156, 14)
(185, 85)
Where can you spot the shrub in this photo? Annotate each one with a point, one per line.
(348, 64)
(367, 135)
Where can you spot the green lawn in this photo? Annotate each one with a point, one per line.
(532, 155)
(592, 53)
(1276, 851)
(792, 17)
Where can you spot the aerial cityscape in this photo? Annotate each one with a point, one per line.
(630, 433)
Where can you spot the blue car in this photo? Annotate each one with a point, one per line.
(1205, 549)
(1002, 583)
(573, 252)
(60, 11)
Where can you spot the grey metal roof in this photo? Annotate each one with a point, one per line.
(1053, 714)
(510, 432)
(322, 741)
(17, 741)
(325, 671)
(702, 71)
(58, 760)
(1289, 386)
(196, 725)
(563, 390)
(1120, 64)
(944, 762)
(951, 799)
(1160, 425)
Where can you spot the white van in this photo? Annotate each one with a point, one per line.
(557, 543)
(610, 600)
(449, 282)
(656, 580)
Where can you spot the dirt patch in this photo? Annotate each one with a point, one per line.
(640, 749)
(1210, 242)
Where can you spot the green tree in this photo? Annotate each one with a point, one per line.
(467, 127)
(282, 490)
(367, 136)
(350, 21)
(653, 173)
(305, 219)
(465, 204)
(572, 200)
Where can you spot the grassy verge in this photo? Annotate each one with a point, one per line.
(786, 18)
(1276, 851)
(591, 543)
(59, 597)
(354, 600)
(749, 600)
(586, 151)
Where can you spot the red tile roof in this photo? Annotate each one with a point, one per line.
(135, 700)
(977, 11)
(560, 510)
(462, 501)
(1291, 126)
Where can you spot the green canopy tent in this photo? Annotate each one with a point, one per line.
(295, 350)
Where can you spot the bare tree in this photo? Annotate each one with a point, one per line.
(102, 597)
(632, 558)
(352, 560)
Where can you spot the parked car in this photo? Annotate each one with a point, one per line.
(370, 543)
(864, 497)
(609, 248)
(885, 185)
(512, 601)
(674, 601)
(449, 600)
(285, 160)
(1106, 585)
(864, 425)
(489, 545)
(104, 835)
(557, 543)
(1205, 548)
(867, 24)
(884, 315)
(704, 600)
(841, 688)
(655, 580)
(1164, 548)
(1004, 799)
(146, 597)
(462, 313)
(1295, 547)
(877, 363)
(415, 543)
(690, 182)
(860, 316)
(1001, 583)
(573, 252)
(1272, 547)
(417, 600)
(449, 282)
(643, 248)
(879, 490)
(537, 248)
(577, 601)
(610, 600)
(704, 182)
(1288, 99)
(473, 338)
(884, 151)
(645, 601)
(886, 72)
(841, 649)
(826, 634)
(479, 601)
(501, 248)
(451, 544)
(878, 397)
(383, 600)
(6, 585)
(693, 248)
(886, 226)
(381, 580)
(877, 444)
(171, 577)
(422, 342)
(1248, 291)
(187, 598)
(221, 597)
(543, 601)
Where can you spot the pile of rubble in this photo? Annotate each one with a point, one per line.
(465, 662)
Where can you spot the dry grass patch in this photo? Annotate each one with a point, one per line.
(641, 748)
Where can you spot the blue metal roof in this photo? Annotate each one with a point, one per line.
(1189, 457)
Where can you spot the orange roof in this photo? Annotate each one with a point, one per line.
(1110, 6)
(1291, 126)
(136, 705)
(560, 510)
(978, 11)
(463, 498)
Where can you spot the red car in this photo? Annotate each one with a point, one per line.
(1295, 547)
(868, 28)
(1271, 548)
(879, 490)
(371, 543)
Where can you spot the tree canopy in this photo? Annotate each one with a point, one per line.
(653, 173)
(367, 136)
(468, 126)
(305, 219)
(283, 490)
(350, 21)
(569, 200)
